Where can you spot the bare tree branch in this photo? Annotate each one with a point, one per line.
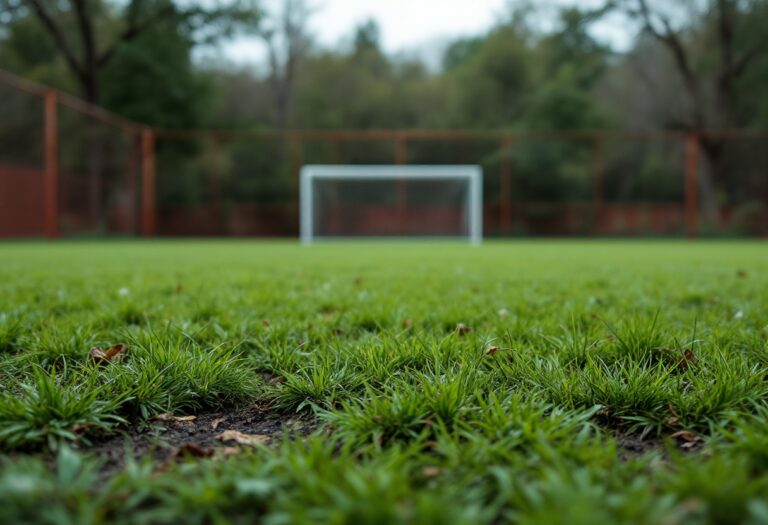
(58, 36)
(725, 32)
(286, 43)
(85, 24)
(745, 59)
(671, 39)
(134, 29)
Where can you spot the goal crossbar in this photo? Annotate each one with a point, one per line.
(471, 173)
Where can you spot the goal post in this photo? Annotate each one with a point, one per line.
(391, 201)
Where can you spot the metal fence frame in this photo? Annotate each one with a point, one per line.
(399, 138)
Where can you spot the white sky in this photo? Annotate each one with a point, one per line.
(413, 26)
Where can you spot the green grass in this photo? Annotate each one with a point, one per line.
(572, 350)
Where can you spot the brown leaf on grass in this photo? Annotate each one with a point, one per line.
(79, 428)
(603, 412)
(272, 379)
(492, 350)
(462, 329)
(225, 452)
(672, 420)
(216, 422)
(243, 439)
(692, 506)
(194, 450)
(688, 359)
(110, 354)
(328, 312)
(170, 418)
(686, 436)
(430, 472)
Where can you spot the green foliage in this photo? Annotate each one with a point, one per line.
(152, 80)
(50, 409)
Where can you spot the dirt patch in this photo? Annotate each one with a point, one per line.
(168, 438)
(631, 446)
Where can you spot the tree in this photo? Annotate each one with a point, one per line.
(90, 33)
(153, 80)
(287, 39)
(368, 36)
(489, 84)
(691, 31)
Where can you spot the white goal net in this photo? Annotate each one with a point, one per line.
(348, 201)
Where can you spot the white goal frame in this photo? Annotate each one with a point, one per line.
(471, 173)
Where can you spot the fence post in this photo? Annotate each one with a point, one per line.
(51, 173)
(691, 184)
(148, 203)
(505, 186)
(598, 174)
(297, 159)
(401, 150)
(401, 157)
(131, 182)
(214, 185)
(335, 151)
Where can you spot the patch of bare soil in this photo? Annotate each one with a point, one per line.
(631, 446)
(208, 434)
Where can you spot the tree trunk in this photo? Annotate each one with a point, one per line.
(95, 151)
(712, 171)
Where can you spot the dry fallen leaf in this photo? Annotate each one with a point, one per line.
(462, 329)
(686, 435)
(243, 439)
(173, 419)
(78, 428)
(431, 472)
(225, 452)
(194, 450)
(216, 422)
(688, 359)
(272, 379)
(106, 356)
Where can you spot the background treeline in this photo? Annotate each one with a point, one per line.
(691, 65)
(700, 63)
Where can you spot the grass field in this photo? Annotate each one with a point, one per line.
(525, 382)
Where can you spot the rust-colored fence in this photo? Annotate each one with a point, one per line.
(71, 169)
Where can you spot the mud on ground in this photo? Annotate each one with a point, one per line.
(207, 434)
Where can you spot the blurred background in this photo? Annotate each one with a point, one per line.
(193, 118)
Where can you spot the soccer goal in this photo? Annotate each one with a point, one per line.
(441, 202)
